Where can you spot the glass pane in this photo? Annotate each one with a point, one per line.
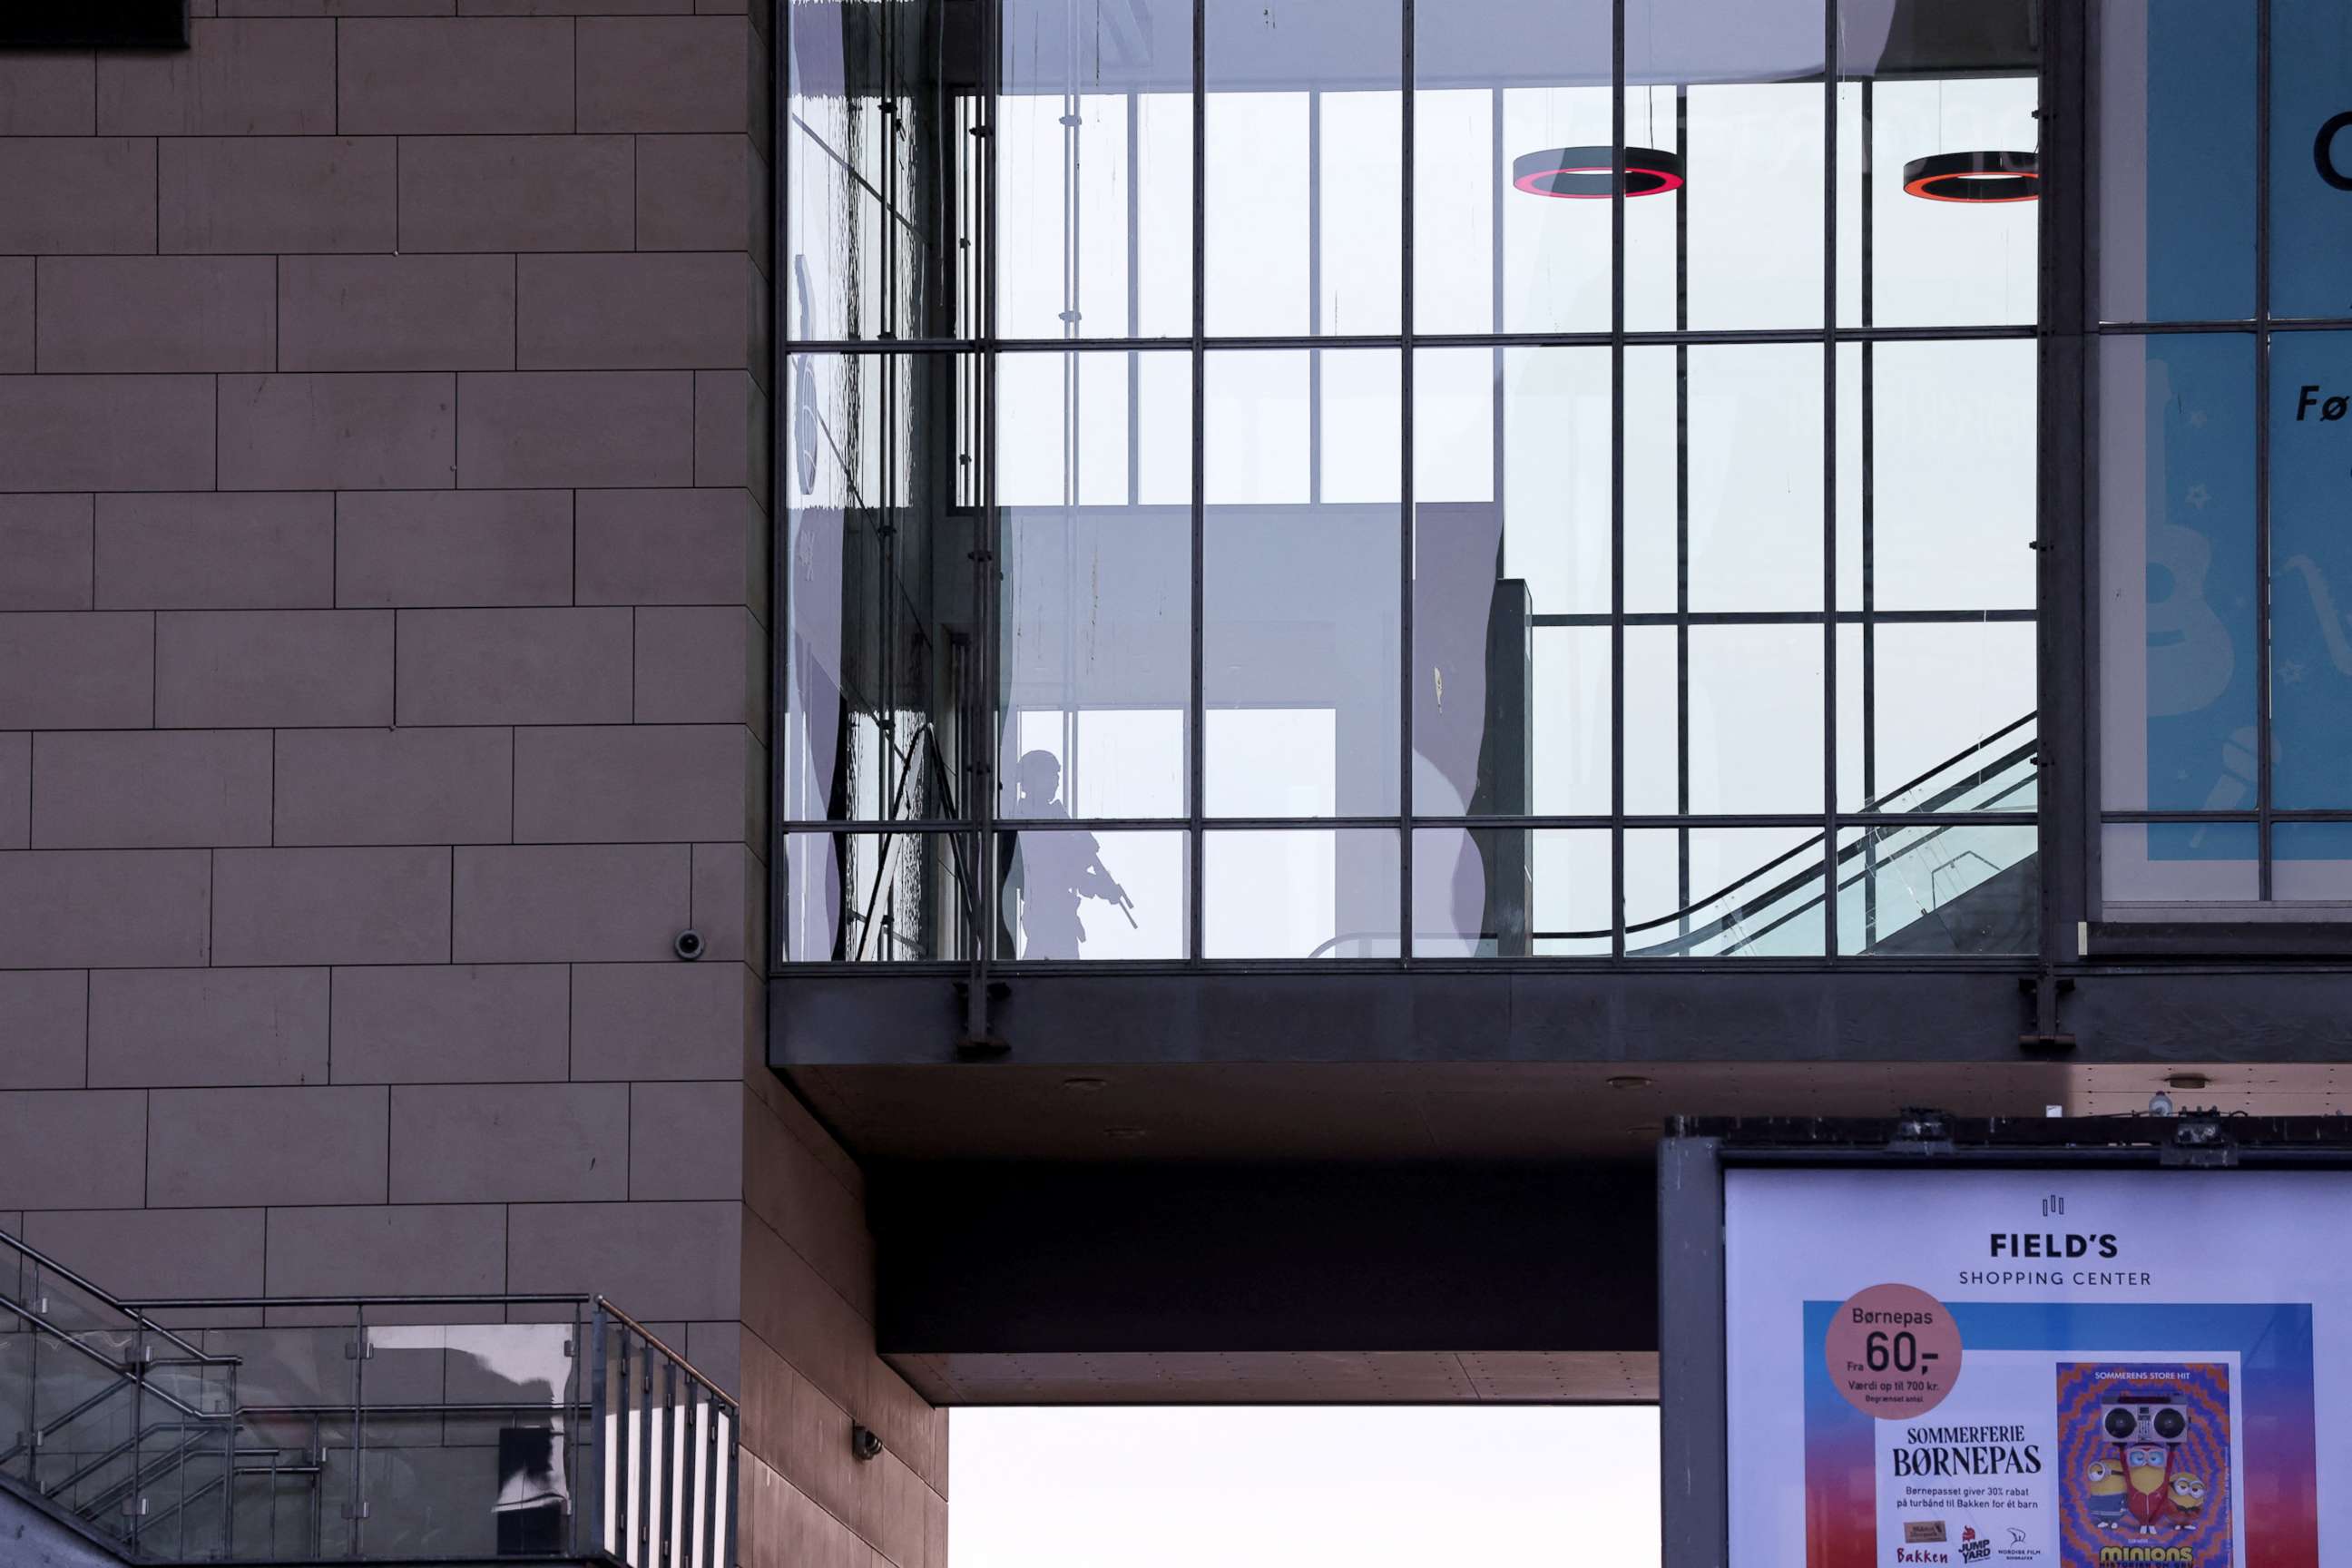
(1938, 82)
(2176, 140)
(1723, 892)
(1751, 465)
(1302, 637)
(1501, 82)
(1658, 724)
(1304, 185)
(1569, 721)
(1539, 419)
(2312, 860)
(1911, 892)
(2311, 157)
(1938, 717)
(1095, 458)
(2311, 571)
(2180, 862)
(879, 658)
(1320, 893)
(1509, 892)
(1094, 173)
(1749, 77)
(1071, 894)
(1951, 519)
(877, 897)
(1502, 715)
(2177, 604)
(877, 149)
(1753, 724)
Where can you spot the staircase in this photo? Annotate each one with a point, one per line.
(122, 1429)
(409, 1429)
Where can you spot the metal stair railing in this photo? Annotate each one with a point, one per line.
(590, 1438)
(519, 1427)
(91, 1462)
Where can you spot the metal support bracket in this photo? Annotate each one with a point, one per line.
(2200, 1142)
(2043, 1036)
(990, 1047)
(1920, 1129)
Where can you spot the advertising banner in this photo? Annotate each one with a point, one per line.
(2035, 1369)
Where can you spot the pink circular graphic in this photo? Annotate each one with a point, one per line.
(1894, 1352)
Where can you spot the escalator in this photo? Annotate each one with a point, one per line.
(1934, 888)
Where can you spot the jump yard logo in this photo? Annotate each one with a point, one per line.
(1974, 1548)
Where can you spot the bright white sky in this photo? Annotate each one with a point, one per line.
(1370, 1487)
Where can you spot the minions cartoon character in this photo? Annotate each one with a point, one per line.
(2103, 1485)
(2147, 1470)
(2186, 1494)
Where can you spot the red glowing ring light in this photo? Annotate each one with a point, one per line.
(1979, 177)
(1589, 173)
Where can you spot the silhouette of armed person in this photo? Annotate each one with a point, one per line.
(1056, 869)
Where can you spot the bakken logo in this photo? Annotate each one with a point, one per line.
(1905, 1554)
(2147, 1554)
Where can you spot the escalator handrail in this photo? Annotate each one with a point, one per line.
(1814, 844)
(1794, 883)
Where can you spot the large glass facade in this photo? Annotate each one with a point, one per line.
(2224, 370)
(1385, 481)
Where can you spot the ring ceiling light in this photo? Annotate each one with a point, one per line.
(1588, 174)
(1975, 177)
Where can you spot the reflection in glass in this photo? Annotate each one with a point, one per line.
(1096, 607)
(1510, 892)
(1311, 892)
(1723, 892)
(878, 666)
(1907, 891)
(1069, 894)
(877, 897)
(2310, 572)
(2177, 668)
(1094, 171)
(2176, 147)
(2180, 862)
(1302, 635)
(1303, 183)
(877, 154)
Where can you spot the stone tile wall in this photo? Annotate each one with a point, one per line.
(383, 630)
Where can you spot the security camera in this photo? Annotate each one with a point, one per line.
(865, 1442)
(689, 945)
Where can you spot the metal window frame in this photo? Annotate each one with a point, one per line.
(2063, 596)
(2223, 929)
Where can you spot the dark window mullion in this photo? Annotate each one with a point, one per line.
(2263, 718)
